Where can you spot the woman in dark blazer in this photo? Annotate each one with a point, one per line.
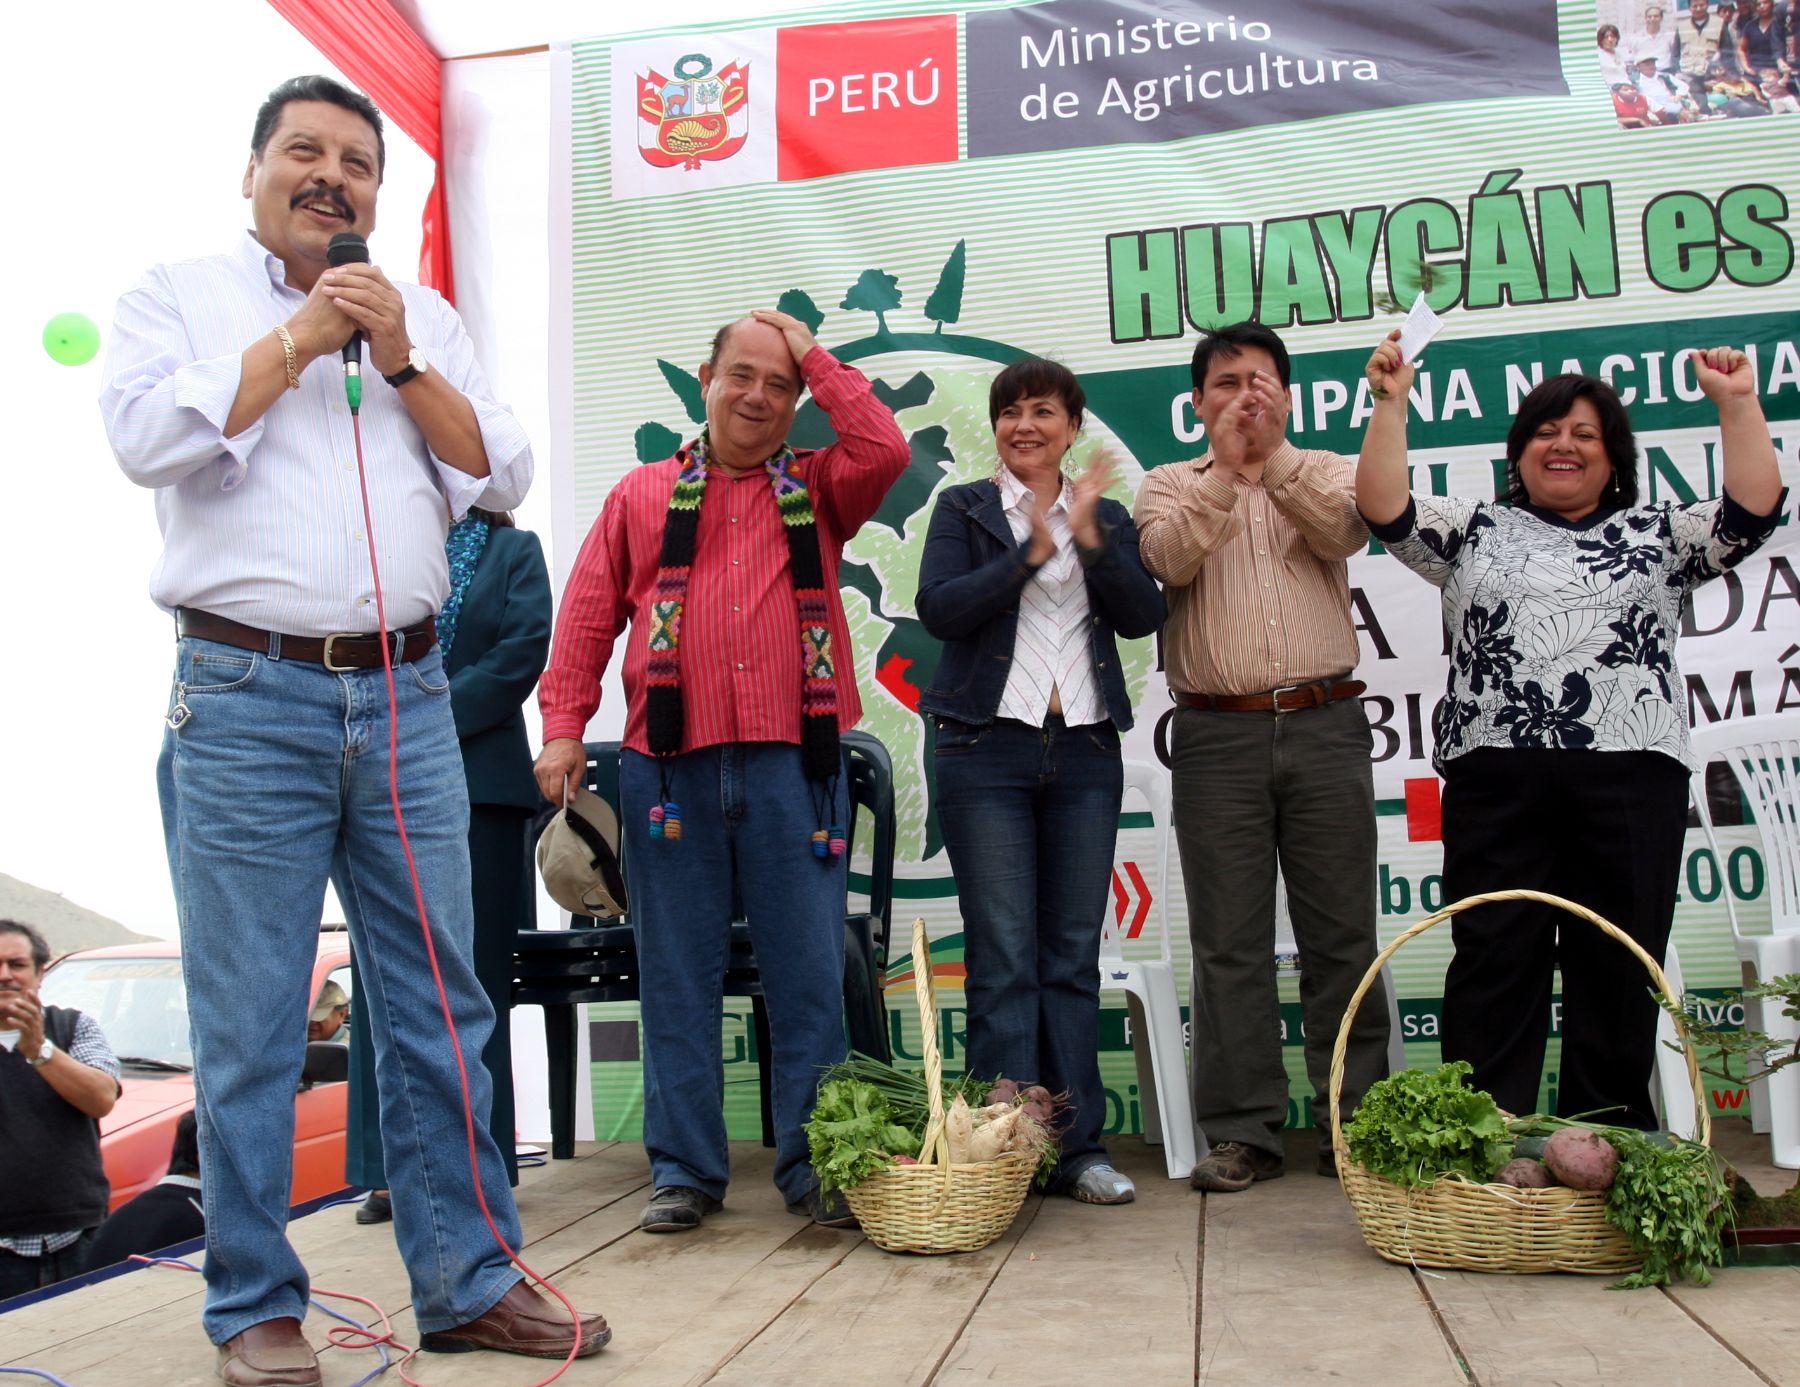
(1027, 579)
(495, 634)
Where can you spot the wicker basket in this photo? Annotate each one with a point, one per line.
(1457, 1224)
(935, 1206)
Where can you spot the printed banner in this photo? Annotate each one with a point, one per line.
(941, 189)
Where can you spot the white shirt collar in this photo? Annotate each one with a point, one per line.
(262, 262)
(1013, 492)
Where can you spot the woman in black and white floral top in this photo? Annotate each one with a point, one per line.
(1562, 738)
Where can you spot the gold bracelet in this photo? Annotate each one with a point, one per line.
(293, 358)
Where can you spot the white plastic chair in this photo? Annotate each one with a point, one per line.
(1674, 1092)
(1158, 1041)
(1764, 753)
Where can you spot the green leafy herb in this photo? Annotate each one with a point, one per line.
(904, 1089)
(1669, 1199)
(1416, 1125)
(853, 1134)
(1671, 1204)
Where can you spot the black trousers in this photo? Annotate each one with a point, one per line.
(1253, 791)
(1601, 828)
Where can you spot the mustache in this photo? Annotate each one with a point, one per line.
(320, 193)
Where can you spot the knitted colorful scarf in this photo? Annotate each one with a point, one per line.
(818, 696)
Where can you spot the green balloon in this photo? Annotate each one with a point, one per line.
(71, 338)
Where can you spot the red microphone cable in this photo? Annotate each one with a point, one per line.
(462, 1071)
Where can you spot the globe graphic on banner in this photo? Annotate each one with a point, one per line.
(936, 382)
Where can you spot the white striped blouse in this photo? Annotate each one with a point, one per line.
(1051, 650)
(267, 527)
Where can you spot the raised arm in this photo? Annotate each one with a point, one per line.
(850, 477)
(364, 295)
(1107, 542)
(1184, 516)
(1381, 490)
(82, 1083)
(1752, 476)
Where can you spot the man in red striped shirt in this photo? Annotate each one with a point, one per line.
(719, 567)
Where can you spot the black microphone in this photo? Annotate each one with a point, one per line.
(348, 248)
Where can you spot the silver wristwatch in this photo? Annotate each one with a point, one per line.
(46, 1052)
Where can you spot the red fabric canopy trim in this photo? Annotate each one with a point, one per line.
(373, 45)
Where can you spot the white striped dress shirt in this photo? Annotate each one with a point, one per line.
(266, 528)
(1051, 651)
(1255, 571)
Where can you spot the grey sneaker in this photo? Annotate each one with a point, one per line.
(1101, 1184)
(828, 1210)
(677, 1208)
(1232, 1165)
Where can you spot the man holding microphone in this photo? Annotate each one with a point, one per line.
(274, 771)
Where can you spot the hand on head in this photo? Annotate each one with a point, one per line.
(1390, 377)
(799, 337)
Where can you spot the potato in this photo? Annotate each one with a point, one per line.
(1523, 1173)
(1581, 1159)
(959, 1130)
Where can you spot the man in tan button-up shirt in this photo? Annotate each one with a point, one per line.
(1270, 749)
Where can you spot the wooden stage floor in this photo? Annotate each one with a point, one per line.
(1264, 1288)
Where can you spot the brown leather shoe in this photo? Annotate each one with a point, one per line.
(1233, 1165)
(271, 1354)
(522, 1321)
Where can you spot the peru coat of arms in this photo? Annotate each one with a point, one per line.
(695, 115)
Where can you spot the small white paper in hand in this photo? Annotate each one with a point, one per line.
(1420, 327)
(8, 1039)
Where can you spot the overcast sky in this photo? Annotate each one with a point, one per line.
(129, 130)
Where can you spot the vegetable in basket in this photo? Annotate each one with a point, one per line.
(853, 1134)
(870, 1115)
(1415, 1126)
(1667, 1195)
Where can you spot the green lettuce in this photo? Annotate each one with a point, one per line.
(1415, 1126)
(853, 1134)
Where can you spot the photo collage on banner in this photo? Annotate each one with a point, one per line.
(941, 189)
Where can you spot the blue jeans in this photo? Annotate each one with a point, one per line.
(747, 820)
(277, 779)
(1030, 817)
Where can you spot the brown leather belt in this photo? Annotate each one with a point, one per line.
(342, 650)
(1290, 698)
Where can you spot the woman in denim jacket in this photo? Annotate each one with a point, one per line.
(1027, 579)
